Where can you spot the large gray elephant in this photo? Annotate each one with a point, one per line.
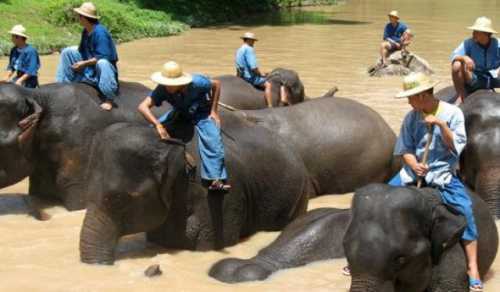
(140, 184)
(46, 134)
(405, 239)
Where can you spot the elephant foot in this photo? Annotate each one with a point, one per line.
(235, 270)
(98, 238)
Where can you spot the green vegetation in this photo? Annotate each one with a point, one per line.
(52, 24)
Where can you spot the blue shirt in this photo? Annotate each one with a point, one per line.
(24, 61)
(485, 59)
(442, 161)
(194, 101)
(246, 62)
(98, 44)
(394, 33)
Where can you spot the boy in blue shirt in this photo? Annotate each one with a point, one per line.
(24, 61)
(194, 99)
(94, 60)
(396, 37)
(476, 61)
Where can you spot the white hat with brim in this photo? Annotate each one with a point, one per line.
(19, 30)
(249, 35)
(416, 83)
(394, 13)
(87, 9)
(483, 24)
(172, 75)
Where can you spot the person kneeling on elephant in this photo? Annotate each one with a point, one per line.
(247, 69)
(94, 60)
(476, 61)
(446, 124)
(194, 99)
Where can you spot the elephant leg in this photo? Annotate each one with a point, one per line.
(451, 272)
(98, 238)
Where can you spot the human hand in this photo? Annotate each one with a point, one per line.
(420, 169)
(162, 132)
(432, 120)
(215, 116)
(469, 63)
(78, 66)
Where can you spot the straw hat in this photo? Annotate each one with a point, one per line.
(482, 24)
(416, 83)
(87, 9)
(249, 35)
(171, 75)
(19, 30)
(394, 13)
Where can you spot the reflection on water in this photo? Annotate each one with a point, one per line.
(327, 46)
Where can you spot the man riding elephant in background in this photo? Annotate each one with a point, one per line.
(194, 99)
(248, 69)
(94, 60)
(476, 61)
(397, 37)
(24, 61)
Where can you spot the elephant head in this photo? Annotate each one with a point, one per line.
(395, 236)
(291, 81)
(19, 117)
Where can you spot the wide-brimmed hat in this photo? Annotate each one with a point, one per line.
(249, 35)
(171, 75)
(87, 9)
(416, 83)
(394, 13)
(483, 24)
(19, 30)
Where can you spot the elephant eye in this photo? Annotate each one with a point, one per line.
(400, 261)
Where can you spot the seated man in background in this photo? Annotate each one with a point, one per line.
(397, 36)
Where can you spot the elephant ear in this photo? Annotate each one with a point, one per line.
(447, 229)
(28, 125)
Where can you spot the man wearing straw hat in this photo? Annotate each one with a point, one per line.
(194, 99)
(24, 61)
(94, 60)
(475, 62)
(248, 69)
(396, 37)
(446, 124)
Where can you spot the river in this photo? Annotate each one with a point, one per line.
(328, 46)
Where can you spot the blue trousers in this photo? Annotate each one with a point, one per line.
(210, 146)
(103, 74)
(455, 195)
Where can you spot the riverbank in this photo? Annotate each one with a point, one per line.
(51, 24)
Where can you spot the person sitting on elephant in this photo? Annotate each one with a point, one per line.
(396, 37)
(94, 60)
(476, 61)
(247, 69)
(24, 61)
(194, 99)
(446, 124)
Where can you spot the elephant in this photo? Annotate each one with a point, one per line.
(405, 239)
(143, 184)
(46, 134)
(236, 93)
(314, 236)
(401, 65)
(344, 144)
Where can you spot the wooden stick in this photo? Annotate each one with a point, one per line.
(426, 153)
(226, 106)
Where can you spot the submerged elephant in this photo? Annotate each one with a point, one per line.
(405, 239)
(140, 184)
(400, 64)
(46, 134)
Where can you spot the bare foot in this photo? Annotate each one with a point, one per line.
(107, 106)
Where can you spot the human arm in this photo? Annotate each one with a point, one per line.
(251, 60)
(460, 56)
(214, 96)
(145, 109)
(8, 76)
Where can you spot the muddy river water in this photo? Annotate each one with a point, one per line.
(327, 46)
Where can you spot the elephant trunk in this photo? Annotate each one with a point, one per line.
(368, 283)
(98, 237)
(488, 188)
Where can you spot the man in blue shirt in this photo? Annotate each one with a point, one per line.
(94, 60)
(396, 37)
(476, 61)
(248, 69)
(194, 99)
(24, 61)
(446, 124)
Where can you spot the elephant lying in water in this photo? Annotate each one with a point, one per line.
(421, 251)
(401, 65)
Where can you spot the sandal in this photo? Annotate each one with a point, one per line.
(218, 185)
(346, 271)
(475, 285)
